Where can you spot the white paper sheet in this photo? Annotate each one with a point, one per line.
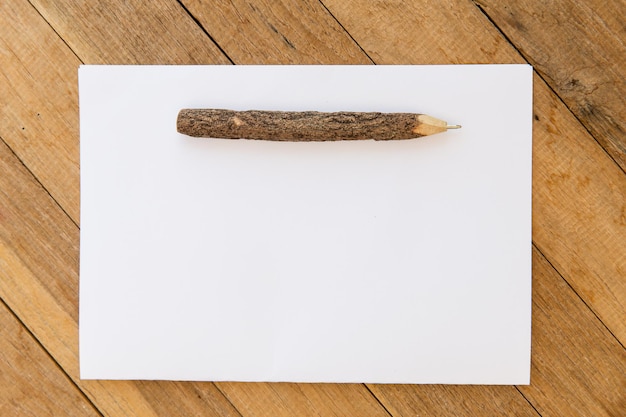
(385, 262)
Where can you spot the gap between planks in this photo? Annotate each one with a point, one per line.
(55, 32)
(526, 398)
(351, 37)
(206, 32)
(578, 295)
(38, 181)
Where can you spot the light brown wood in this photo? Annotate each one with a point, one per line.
(172, 398)
(451, 400)
(130, 32)
(39, 93)
(282, 399)
(579, 210)
(579, 48)
(428, 32)
(578, 367)
(277, 32)
(308, 126)
(31, 383)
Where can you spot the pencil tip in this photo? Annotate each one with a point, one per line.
(453, 126)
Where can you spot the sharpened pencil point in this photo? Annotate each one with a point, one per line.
(453, 126)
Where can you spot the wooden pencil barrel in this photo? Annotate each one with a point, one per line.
(304, 126)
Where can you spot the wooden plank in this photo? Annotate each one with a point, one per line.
(579, 48)
(426, 32)
(579, 369)
(277, 32)
(173, 398)
(452, 400)
(39, 281)
(579, 210)
(286, 399)
(130, 32)
(579, 194)
(39, 91)
(31, 384)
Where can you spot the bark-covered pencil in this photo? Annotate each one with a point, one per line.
(307, 126)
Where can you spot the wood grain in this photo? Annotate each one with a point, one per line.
(39, 91)
(452, 400)
(579, 210)
(31, 383)
(130, 32)
(579, 369)
(277, 32)
(422, 32)
(282, 399)
(579, 48)
(173, 398)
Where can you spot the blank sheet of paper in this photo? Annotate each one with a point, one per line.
(362, 261)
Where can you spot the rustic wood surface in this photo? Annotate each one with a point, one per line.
(579, 188)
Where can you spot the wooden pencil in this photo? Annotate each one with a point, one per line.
(307, 125)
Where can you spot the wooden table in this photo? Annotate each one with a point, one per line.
(579, 188)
